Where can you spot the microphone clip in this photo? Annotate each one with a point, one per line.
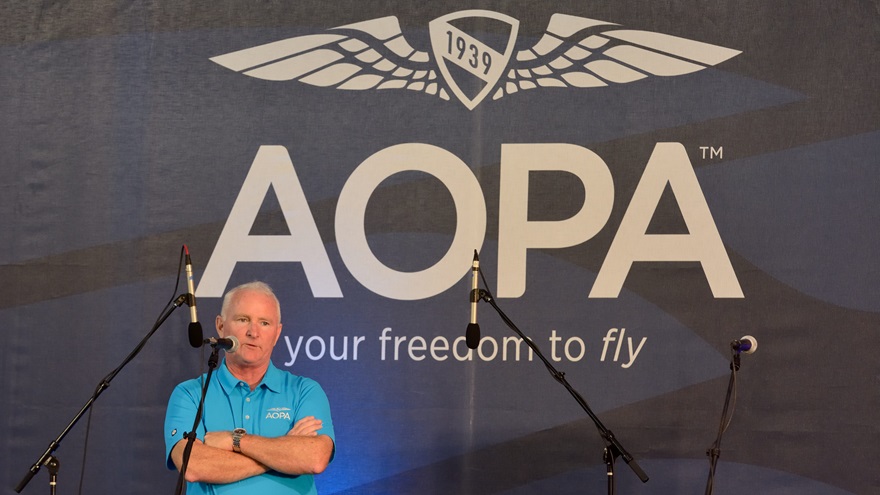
(478, 294)
(181, 300)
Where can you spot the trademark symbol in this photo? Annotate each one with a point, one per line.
(711, 152)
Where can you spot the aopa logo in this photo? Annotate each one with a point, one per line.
(278, 413)
(574, 52)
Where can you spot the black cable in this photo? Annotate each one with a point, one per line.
(82, 471)
(557, 375)
(106, 381)
(613, 448)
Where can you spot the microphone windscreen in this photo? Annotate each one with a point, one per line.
(195, 334)
(235, 344)
(472, 335)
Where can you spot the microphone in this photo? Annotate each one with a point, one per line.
(229, 344)
(747, 344)
(472, 335)
(195, 328)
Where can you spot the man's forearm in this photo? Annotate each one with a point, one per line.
(212, 465)
(290, 454)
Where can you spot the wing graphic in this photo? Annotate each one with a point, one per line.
(366, 55)
(574, 52)
(577, 52)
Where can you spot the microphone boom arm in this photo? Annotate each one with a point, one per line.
(613, 447)
(47, 456)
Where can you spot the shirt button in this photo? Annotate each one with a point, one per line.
(248, 399)
(247, 417)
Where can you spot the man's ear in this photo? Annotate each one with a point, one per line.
(219, 324)
(277, 336)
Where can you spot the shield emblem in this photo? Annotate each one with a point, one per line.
(472, 59)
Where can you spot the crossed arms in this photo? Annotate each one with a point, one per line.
(300, 451)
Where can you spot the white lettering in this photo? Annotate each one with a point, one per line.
(351, 236)
(487, 357)
(517, 343)
(417, 344)
(553, 340)
(633, 355)
(516, 234)
(320, 341)
(669, 164)
(608, 338)
(439, 344)
(293, 352)
(384, 338)
(467, 356)
(272, 167)
(278, 415)
(316, 342)
(571, 357)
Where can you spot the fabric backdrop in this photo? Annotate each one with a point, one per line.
(644, 181)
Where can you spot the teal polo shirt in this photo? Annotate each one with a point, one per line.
(270, 410)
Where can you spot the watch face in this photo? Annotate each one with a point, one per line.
(240, 431)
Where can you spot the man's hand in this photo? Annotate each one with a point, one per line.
(219, 440)
(306, 427)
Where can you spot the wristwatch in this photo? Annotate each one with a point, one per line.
(236, 439)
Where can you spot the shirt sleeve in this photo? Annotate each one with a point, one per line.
(179, 416)
(313, 402)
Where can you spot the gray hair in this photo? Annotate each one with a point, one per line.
(255, 286)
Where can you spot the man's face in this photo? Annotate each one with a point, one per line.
(252, 317)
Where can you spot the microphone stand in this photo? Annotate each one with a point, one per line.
(191, 436)
(48, 459)
(52, 465)
(714, 452)
(613, 448)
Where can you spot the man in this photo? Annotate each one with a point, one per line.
(263, 431)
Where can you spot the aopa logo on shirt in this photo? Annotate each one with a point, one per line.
(574, 52)
(278, 413)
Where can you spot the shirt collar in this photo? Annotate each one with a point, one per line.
(272, 380)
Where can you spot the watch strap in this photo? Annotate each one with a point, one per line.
(236, 439)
